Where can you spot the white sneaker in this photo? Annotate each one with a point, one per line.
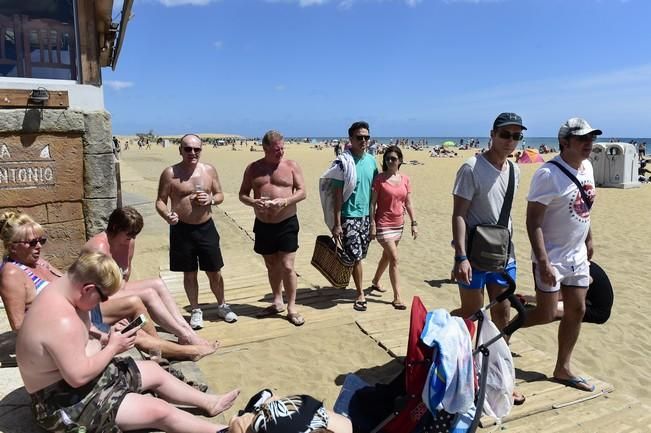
(225, 312)
(196, 319)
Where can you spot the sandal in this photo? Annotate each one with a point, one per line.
(398, 305)
(359, 305)
(375, 287)
(295, 319)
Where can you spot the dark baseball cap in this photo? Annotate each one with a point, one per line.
(505, 119)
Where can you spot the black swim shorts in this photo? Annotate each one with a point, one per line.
(272, 238)
(191, 241)
(62, 408)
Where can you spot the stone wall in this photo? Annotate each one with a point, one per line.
(58, 166)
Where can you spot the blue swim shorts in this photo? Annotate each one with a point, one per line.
(481, 278)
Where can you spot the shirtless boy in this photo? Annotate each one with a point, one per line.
(277, 185)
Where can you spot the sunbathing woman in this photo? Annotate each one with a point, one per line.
(390, 198)
(24, 273)
(118, 241)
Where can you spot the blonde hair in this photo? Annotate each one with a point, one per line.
(14, 225)
(99, 269)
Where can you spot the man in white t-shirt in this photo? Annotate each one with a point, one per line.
(558, 224)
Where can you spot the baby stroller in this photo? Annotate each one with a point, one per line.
(398, 407)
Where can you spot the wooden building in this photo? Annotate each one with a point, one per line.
(56, 149)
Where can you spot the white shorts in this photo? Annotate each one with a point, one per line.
(566, 275)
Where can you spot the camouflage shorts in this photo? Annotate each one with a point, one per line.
(62, 408)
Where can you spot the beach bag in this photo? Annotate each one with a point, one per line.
(489, 245)
(327, 260)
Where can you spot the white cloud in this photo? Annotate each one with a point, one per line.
(172, 3)
(218, 44)
(119, 85)
(341, 4)
(473, 1)
(280, 88)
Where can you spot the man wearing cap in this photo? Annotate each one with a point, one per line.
(479, 191)
(558, 224)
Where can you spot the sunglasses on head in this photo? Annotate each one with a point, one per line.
(188, 149)
(33, 242)
(516, 136)
(363, 137)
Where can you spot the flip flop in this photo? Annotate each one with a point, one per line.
(295, 319)
(398, 305)
(377, 288)
(577, 382)
(271, 310)
(360, 305)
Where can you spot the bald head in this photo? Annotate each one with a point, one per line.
(191, 139)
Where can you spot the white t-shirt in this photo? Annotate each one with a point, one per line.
(479, 182)
(567, 219)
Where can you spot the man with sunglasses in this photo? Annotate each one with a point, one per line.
(352, 215)
(558, 224)
(479, 191)
(192, 188)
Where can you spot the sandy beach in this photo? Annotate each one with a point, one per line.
(616, 352)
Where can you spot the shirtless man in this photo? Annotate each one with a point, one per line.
(74, 382)
(277, 186)
(192, 188)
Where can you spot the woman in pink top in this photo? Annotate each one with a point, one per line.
(391, 197)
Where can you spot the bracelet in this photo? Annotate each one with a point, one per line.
(460, 259)
(414, 223)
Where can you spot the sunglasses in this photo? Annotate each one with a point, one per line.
(100, 292)
(589, 138)
(391, 159)
(363, 137)
(33, 242)
(188, 149)
(516, 136)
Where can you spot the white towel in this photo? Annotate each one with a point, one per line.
(342, 169)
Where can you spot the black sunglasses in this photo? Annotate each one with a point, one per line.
(102, 295)
(363, 137)
(516, 136)
(33, 242)
(589, 138)
(188, 149)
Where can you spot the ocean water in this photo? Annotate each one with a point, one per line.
(535, 142)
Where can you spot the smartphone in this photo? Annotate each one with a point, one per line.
(138, 322)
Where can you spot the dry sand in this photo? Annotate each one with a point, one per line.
(616, 352)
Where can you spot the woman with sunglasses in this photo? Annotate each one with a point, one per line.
(391, 197)
(24, 273)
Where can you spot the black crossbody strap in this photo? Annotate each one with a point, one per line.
(508, 198)
(573, 178)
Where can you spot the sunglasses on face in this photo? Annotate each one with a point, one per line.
(585, 138)
(33, 242)
(100, 292)
(516, 136)
(363, 137)
(188, 149)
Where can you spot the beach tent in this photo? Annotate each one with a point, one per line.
(615, 165)
(449, 143)
(530, 156)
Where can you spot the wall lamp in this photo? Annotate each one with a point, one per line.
(39, 96)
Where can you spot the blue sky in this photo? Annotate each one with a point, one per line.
(409, 67)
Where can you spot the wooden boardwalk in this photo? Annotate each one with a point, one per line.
(549, 406)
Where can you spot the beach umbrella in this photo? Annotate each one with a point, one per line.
(449, 143)
(530, 156)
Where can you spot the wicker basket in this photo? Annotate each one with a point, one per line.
(327, 260)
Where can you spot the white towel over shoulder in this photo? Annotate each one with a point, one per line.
(341, 169)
